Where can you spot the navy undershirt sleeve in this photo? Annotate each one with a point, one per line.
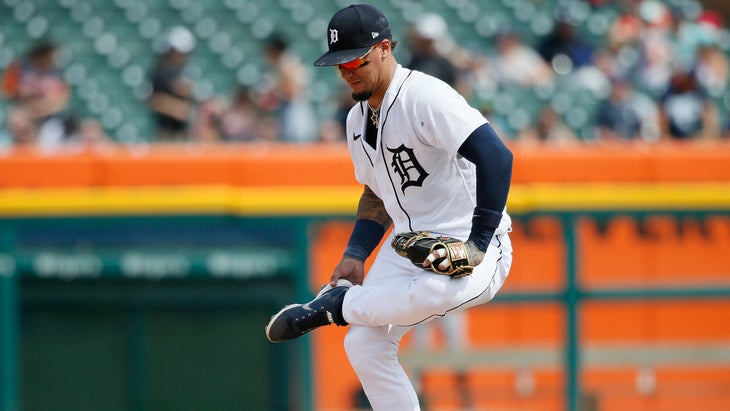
(493, 162)
(364, 239)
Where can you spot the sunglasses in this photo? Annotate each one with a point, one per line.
(357, 63)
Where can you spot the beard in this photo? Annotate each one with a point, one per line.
(362, 96)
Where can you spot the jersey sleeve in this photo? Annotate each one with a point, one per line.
(443, 118)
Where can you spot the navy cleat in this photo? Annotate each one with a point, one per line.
(295, 320)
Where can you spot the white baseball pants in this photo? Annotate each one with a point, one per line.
(395, 296)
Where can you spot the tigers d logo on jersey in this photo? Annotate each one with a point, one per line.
(406, 165)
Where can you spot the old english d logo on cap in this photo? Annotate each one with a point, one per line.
(351, 33)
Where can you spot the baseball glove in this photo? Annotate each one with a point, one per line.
(417, 246)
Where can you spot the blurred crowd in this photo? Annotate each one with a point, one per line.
(41, 113)
(658, 74)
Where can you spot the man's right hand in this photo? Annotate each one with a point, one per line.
(350, 269)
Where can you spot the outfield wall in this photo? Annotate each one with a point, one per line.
(269, 165)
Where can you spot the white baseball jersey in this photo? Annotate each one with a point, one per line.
(425, 184)
(415, 168)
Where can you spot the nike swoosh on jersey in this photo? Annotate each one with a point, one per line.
(356, 136)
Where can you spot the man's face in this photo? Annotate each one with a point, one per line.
(361, 74)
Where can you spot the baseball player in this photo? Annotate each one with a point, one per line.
(434, 168)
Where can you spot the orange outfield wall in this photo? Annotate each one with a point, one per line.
(619, 257)
(329, 165)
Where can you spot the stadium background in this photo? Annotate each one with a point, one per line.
(140, 277)
(108, 48)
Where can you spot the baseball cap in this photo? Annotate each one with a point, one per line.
(432, 26)
(351, 32)
(180, 39)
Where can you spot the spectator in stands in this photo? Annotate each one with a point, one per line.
(563, 41)
(172, 98)
(423, 46)
(712, 70)
(596, 77)
(517, 63)
(626, 115)
(625, 30)
(36, 86)
(205, 125)
(20, 129)
(688, 36)
(548, 129)
(655, 48)
(686, 112)
(87, 133)
(91, 133)
(607, 62)
(239, 121)
(286, 92)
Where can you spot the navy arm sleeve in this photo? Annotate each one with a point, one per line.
(493, 162)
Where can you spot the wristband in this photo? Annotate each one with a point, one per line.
(483, 225)
(364, 238)
(486, 218)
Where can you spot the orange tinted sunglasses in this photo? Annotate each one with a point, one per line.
(357, 63)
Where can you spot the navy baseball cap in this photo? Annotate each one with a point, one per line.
(351, 33)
